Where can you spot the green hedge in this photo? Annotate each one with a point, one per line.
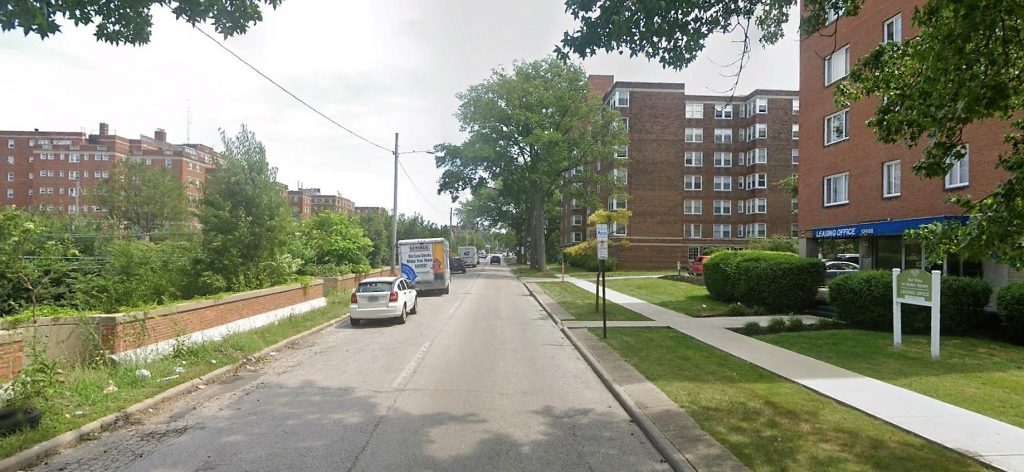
(1010, 303)
(588, 262)
(864, 299)
(778, 282)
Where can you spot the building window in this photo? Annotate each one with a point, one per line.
(891, 179)
(576, 205)
(692, 231)
(723, 159)
(837, 127)
(723, 183)
(577, 220)
(96, 174)
(73, 175)
(795, 156)
(794, 231)
(760, 105)
(693, 159)
(72, 192)
(10, 144)
(758, 180)
(958, 175)
(762, 130)
(693, 182)
(723, 135)
(695, 135)
(10, 176)
(793, 204)
(73, 158)
(622, 152)
(693, 207)
(625, 123)
(757, 206)
(723, 111)
(758, 156)
(796, 106)
(757, 230)
(10, 159)
(892, 31)
(742, 158)
(722, 207)
(617, 202)
(695, 110)
(740, 207)
(722, 231)
(796, 131)
(833, 13)
(621, 176)
(10, 193)
(167, 163)
(72, 208)
(577, 237)
(836, 187)
(837, 65)
(617, 229)
(621, 99)
(692, 253)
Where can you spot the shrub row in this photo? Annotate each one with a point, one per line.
(584, 256)
(779, 282)
(1010, 303)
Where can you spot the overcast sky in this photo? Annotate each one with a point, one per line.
(376, 67)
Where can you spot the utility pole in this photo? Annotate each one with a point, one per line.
(394, 217)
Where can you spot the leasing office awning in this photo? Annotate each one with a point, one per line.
(880, 228)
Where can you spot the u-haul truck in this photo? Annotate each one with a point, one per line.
(425, 263)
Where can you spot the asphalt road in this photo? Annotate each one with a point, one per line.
(479, 380)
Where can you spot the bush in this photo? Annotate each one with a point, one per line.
(778, 243)
(1010, 303)
(778, 282)
(584, 256)
(864, 299)
(738, 309)
(776, 325)
(794, 324)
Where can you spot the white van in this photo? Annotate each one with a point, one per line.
(425, 263)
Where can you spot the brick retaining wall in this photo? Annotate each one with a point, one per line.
(12, 354)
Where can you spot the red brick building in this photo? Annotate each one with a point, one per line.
(307, 202)
(854, 188)
(54, 170)
(700, 171)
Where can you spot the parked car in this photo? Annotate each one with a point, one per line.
(457, 264)
(382, 297)
(854, 258)
(697, 266)
(834, 269)
(496, 259)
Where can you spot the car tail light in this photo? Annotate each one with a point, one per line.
(394, 297)
(353, 299)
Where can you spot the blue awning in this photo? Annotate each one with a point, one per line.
(880, 228)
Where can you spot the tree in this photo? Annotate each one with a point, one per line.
(335, 241)
(377, 227)
(963, 68)
(129, 21)
(528, 129)
(144, 198)
(35, 264)
(246, 220)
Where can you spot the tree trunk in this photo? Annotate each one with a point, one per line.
(538, 260)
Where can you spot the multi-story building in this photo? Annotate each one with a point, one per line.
(365, 210)
(700, 171)
(307, 202)
(856, 189)
(54, 170)
(301, 202)
(335, 203)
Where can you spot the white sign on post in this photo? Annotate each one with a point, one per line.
(602, 231)
(916, 287)
(602, 242)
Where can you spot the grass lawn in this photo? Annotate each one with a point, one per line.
(74, 396)
(688, 299)
(588, 275)
(983, 376)
(580, 303)
(768, 422)
(523, 270)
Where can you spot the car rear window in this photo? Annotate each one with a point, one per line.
(374, 287)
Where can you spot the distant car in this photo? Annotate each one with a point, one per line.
(481, 254)
(834, 269)
(383, 297)
(496, 259)
(457, 264)
(854, 258)
(697, 266)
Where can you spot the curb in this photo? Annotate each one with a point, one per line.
(71, 438)
(664, 447)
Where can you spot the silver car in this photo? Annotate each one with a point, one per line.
(382, 297)
(834, 269)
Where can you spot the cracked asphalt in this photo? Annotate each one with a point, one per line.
(479, 380)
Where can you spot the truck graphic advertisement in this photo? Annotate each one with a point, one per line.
(425, 263)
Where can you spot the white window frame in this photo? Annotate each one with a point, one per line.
(891, 179)
(796, 106)
(723, 135)
(722, 183)
(761, 130)
(616, 230)
(10, 193)
(721, 231)
(722, 207)
(740, 207)
(622, 152)
(693, 159)
(794, 156)
(758, 156)
(10, 176)
(73, 158)
(693, 183)
(577, 237)
(840, 58)
(831, 127)
(694, 110)
(959, 175)
(760, 231)
(617, 202)
(836, 189)
(694, 135)
(10, 144)
(723, 159)
(693, 207)
(794, 205)
(723, 111)
(896, 24)
(762, 105)
(795, 132)
(741, 159)
(622, 175)
(621, 99)
(693, 231)
(577, 220)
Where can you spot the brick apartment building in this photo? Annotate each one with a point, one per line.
(700, 171)
(367, 210)
(54, 170)
(855, 188)
(306, 202)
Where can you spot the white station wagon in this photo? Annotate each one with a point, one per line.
(382, 297)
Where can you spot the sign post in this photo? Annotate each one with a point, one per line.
(916, 287)
(602, 276)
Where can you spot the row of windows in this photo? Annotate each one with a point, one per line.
(724, 158)
(751, 206)
(723, 183)
(836, 187)
(722, 110)
(73, 157)
(724, 231)
(72, 174)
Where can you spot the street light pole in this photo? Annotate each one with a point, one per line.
(394, 217)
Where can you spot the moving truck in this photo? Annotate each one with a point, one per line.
(468, 255)
(425, 263)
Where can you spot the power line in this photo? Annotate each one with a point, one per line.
(318, 112)
(407, 176)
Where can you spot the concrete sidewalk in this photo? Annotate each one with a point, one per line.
(991, 441)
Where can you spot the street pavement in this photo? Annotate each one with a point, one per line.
(480, 379)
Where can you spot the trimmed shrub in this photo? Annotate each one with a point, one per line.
(794, 324)
(738, 309)
(776, 325)
(778, 282)
(1010, 303)
(963, 304)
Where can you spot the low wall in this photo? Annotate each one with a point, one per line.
(12, 354)
(334, 285)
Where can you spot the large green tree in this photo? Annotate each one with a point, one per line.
(965, 67)
(377, 227)
(246, 219)
(335, 244)
(36, 263)
(128, 21)
(529, 128)
(142, 197)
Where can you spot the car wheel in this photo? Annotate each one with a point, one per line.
(403, 317)
(446, 290)
(415, 306)
(354, 321)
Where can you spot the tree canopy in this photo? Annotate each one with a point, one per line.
(128, 21)
(142, 197)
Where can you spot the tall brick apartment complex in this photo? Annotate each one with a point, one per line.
(855, 188)
(54, 170)
(700, 171)
(306, 202)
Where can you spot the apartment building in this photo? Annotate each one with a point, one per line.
(54, 170)
(361, 210)
(700, 171)
(306, 202)
(856, 189)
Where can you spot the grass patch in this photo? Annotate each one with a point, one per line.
(580, 303)
(685, 298)
(586, 274)
(73, 396)
(980, 375)
(768, 422)
(523, 270)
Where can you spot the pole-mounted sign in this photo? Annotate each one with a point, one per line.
(916, 287)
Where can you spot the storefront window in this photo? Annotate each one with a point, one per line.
(912, 256)
(888, 253)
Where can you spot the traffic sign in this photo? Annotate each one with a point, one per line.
(602, 250)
